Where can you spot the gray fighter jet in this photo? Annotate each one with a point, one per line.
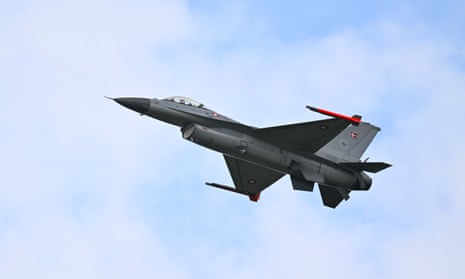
(326, 152)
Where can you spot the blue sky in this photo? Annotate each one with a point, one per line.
(90, 190)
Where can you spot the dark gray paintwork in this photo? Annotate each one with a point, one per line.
(326, 152)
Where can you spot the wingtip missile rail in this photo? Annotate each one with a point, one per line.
(252, 197)
(355, 120)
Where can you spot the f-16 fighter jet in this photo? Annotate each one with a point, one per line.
(326, 152)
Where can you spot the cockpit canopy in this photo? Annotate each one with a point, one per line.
(184, 101)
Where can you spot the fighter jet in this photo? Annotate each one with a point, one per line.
(326, 152)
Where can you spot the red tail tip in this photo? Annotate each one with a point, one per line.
(356, 119)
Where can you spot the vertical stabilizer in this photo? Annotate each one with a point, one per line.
(350, 144)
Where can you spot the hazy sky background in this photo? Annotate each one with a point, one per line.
(91, 190)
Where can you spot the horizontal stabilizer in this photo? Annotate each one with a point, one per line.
(366, 166)
(333, 196)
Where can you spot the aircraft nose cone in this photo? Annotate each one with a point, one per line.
(141, 105)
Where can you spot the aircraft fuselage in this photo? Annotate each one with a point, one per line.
(222, 134)
(264, 152)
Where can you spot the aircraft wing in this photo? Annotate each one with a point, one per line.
(307, 136)
(250, 178)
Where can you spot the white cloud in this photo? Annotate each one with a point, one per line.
(91, 190)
